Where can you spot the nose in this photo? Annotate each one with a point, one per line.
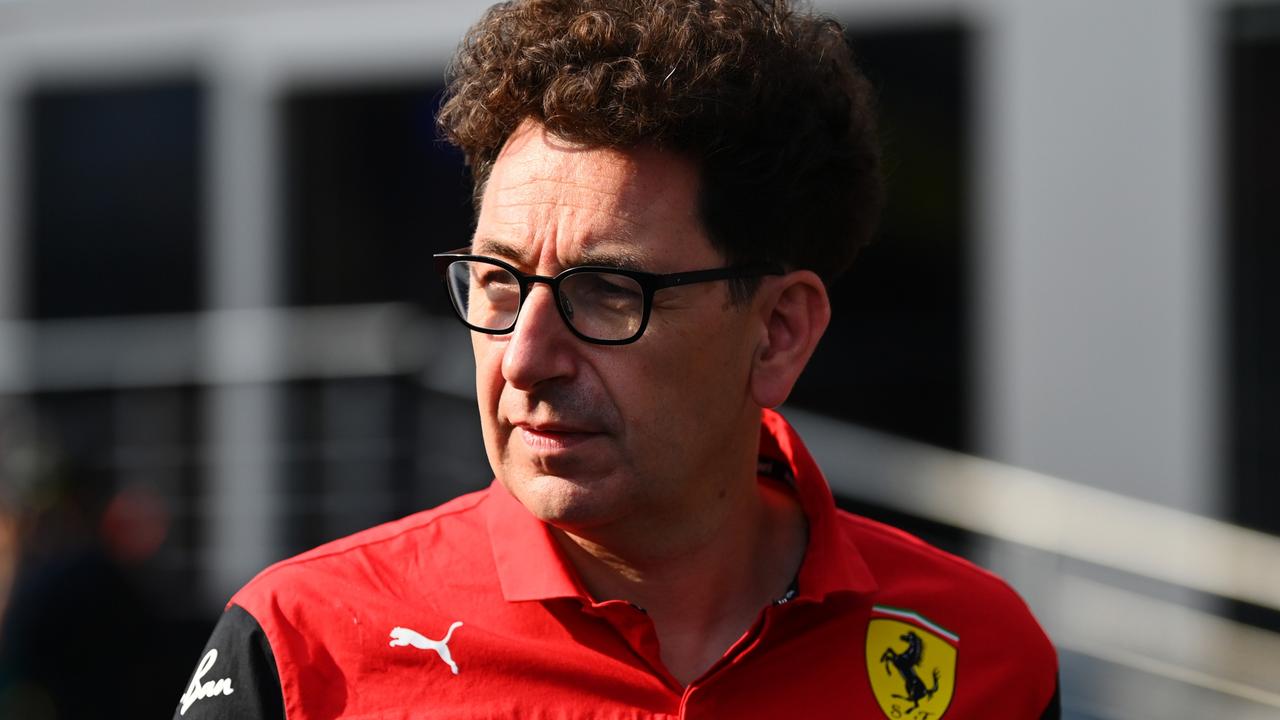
(540, 347)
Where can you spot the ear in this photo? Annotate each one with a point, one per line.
(795, 311)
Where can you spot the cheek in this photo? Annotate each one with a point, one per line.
(489, 383)
(488, 358)
(705, 385)
(671, 398)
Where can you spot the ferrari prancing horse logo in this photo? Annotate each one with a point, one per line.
(911, 663)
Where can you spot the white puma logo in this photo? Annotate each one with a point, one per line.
(404, 636)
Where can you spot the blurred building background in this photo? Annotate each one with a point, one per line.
(222, 343)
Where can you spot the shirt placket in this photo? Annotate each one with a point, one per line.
(635, 628)
(692, 701)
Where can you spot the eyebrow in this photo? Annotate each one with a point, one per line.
(604, 257)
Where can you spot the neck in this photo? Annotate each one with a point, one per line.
(705, 591)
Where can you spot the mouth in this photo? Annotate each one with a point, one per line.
(552, 437)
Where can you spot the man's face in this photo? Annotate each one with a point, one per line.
(590, 437)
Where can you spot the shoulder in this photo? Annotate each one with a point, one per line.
(904, 565)
(323, 612)
(378, 559)
(236, 676)
(995, 632)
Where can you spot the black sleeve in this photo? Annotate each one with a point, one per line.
(1053, 711)
(236, 674)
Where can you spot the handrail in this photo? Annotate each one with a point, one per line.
(1022, 506)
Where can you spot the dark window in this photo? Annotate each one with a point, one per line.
(896, 356)
(370, 192)
(1253, 265)
(113, 205)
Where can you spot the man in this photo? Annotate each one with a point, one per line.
(664, 189)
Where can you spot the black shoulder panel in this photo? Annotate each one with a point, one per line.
(236, 674)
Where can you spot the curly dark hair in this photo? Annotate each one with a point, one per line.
(765, 99)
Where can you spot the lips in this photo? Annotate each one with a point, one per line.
(551, 437)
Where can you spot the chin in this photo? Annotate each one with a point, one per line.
(567, 503)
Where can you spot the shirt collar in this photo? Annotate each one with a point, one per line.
(832, 563)
(532, 567)
(530, 564)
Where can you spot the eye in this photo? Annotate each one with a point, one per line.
(487, 277)
(493, 285)
(615, 286)
(606, 292)
(502, 293)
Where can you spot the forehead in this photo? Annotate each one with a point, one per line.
(549, 202)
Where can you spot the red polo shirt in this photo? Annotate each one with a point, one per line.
(470, 611)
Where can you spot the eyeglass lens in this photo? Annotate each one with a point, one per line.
(599, 305)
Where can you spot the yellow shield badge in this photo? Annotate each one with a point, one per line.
(911, 662)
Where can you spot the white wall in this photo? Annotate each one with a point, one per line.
(1098, 273)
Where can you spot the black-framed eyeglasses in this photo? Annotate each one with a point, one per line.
(602, 305)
